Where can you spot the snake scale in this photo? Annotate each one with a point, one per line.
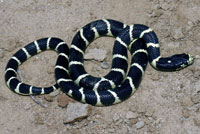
(114, 87)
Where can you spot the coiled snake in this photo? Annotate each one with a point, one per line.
(114, 87)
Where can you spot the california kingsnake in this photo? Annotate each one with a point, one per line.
(114, 87)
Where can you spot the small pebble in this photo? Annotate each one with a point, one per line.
(186, 113)
(27, 106)
(116, 117)
(197, 122)
(198, 110)
(165, 5)
(131, 115)
(140, 124)
(48, 98)
(150, 128)
(133, 121)
(196, 99)
(156, 13)
(76, 131)
(111, 130)
(178, 33)
(186, 102)
(63, 100)
(105, 65)
(149, 112)
(190, 23)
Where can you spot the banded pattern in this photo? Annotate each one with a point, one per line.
(80, 42)
(22, 55)
(114, 87)
(109, 90)
(172, 63)
(98, 97)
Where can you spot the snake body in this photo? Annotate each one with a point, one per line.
(110, 89)
(21, 56)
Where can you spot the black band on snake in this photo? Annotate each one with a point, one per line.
(114, 87)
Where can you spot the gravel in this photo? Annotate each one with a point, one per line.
(139, 124)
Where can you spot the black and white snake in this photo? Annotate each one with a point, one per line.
(114, 87)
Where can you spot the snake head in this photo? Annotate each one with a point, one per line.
(175, 62)
(182, 60)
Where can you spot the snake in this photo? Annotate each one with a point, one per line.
(72, 78)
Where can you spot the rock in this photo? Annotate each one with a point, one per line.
(198, 110)
(105, 65)
(95, 54)
(150, 128)
(196, 99)
(178, 34)
(189, 26)
(197, 122)
(76, 131)
(133, 121)
(48, 98)
(149, 112)
(185, 113)
(76, 111)
(131, 115)
(164, 5)
(63, 100)
(111, 130)
(186, 102)
(27, 106)
(116, 117)
(122, 130)
(156, 13)
(140, 124)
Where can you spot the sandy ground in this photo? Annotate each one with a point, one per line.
(165, 102)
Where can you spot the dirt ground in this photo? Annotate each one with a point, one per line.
(165, 102)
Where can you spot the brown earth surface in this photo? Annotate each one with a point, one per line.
(165, 102)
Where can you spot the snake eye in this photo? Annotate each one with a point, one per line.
(169, 61)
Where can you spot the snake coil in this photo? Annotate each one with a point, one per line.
(110, 89)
